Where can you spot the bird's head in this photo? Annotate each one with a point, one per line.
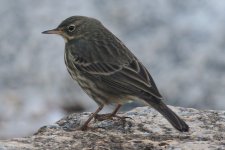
(74, 27)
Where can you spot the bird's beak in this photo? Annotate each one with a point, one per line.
(53, 31)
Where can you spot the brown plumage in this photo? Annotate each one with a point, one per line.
(107, 70)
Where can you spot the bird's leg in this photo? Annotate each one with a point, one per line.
(101, 117)
(116, 110)
(85, 125)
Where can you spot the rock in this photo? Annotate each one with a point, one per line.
(144, 129)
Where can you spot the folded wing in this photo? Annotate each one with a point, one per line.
(131, 78)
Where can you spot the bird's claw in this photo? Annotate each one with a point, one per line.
(101, 117)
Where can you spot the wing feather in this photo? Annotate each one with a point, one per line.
(132, 77)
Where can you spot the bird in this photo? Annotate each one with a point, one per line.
(107, 70)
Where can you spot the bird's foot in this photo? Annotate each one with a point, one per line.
(82, 128)
(101, 117)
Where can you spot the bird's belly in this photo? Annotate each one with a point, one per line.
(87, 85)
(92, 86)
(99, 95)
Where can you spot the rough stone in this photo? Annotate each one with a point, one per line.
(144, 129)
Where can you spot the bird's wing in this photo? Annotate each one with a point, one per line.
(132, 76)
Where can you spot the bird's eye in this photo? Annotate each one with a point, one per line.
(71, 28)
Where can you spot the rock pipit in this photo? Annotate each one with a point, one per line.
(107, 70)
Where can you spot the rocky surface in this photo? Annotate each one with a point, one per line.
(145, 129)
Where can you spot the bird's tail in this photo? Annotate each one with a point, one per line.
(175, 121)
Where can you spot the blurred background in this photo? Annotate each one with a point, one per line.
(182, 43)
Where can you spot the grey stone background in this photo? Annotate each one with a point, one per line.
(182, 43)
